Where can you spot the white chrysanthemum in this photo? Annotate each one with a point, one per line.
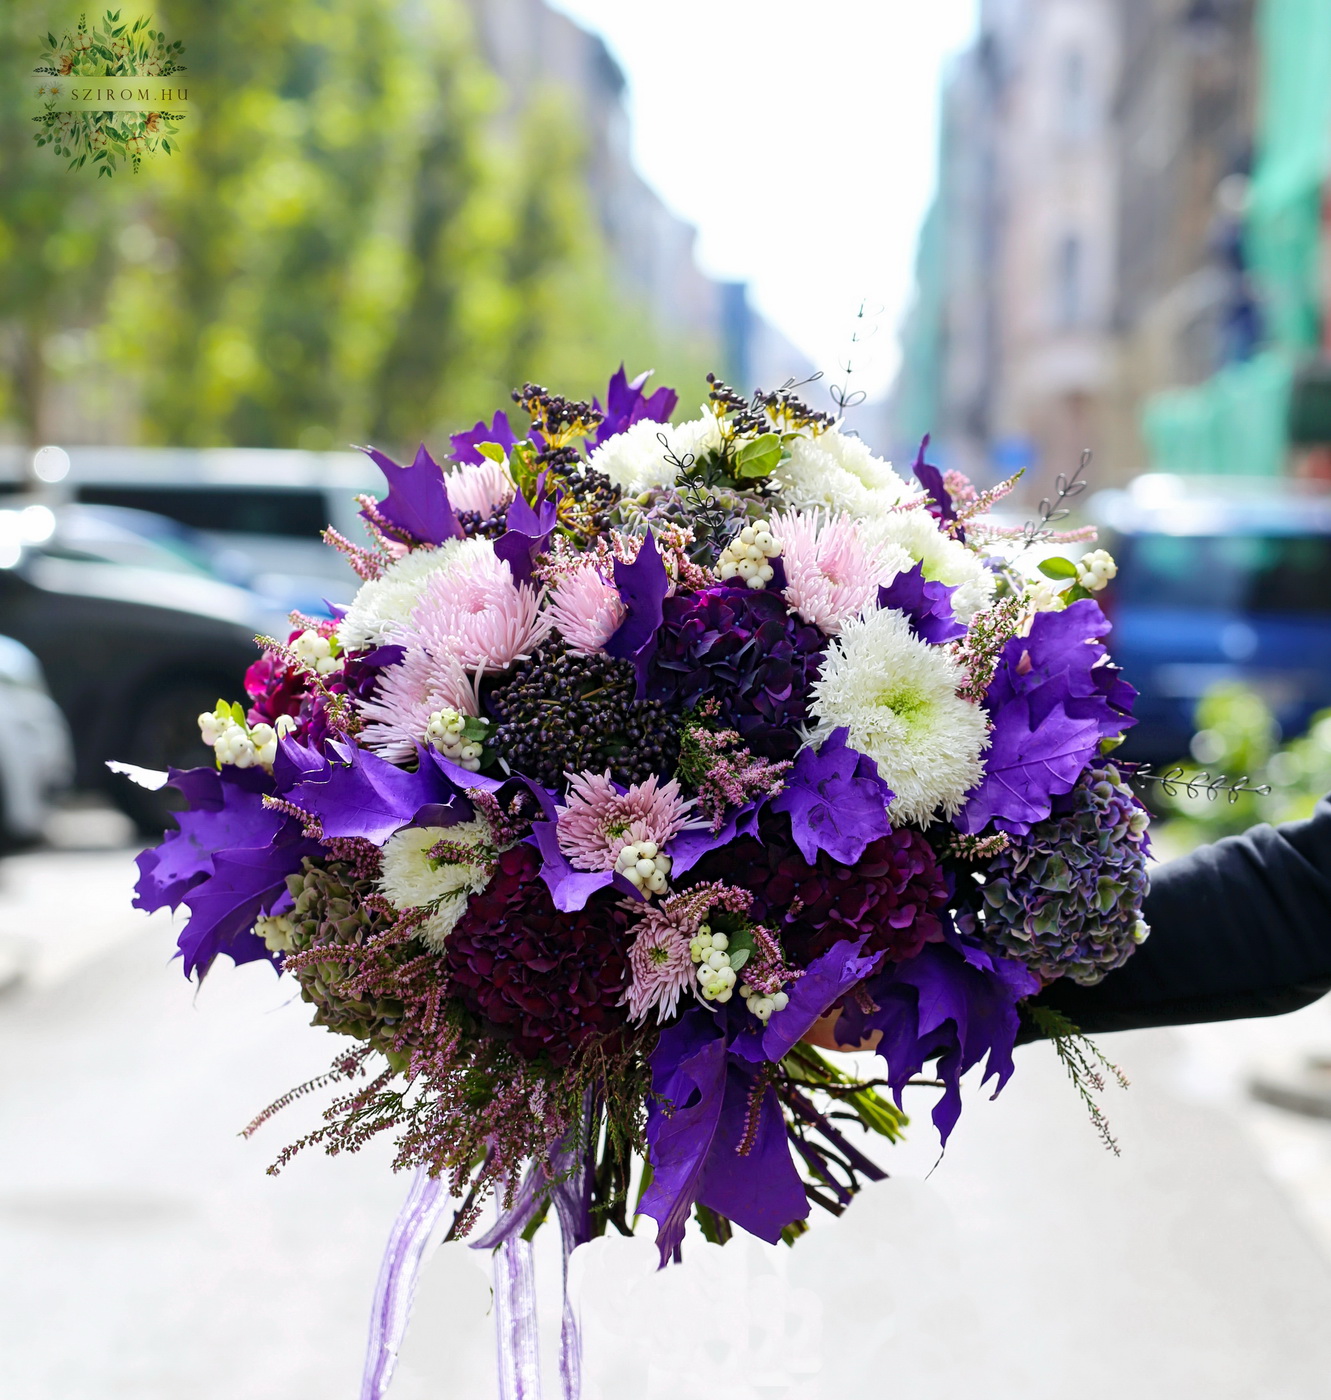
(410, 880)
(898, 697)
(636, 459)
(945, 560)
(382, 605)
(837, 472)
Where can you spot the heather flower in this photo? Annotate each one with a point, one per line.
(484, 487)
(544, 980)
(723, 771)
(601, 819)
(476, 614)
(407, 696)
(837, 472)
(743, 649)
(1066, 898)
(437, 868)
(383, 605)
(945, 560)
(586, 609)
(832, 572)
(897, 695)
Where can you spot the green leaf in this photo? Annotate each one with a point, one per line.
(1058, 567)
(758, 458)
(493, 451)
(238, 713)
(739, 947)
(1076, 593)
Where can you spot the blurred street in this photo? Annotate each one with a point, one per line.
(148, 1255)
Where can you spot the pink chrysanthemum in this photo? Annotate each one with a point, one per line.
(485, 487)
(832, 574)
(477, 615)
(406, 696)
(660, 966)
(586, 609)
(600, 819)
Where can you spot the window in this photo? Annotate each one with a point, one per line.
(1074, 95)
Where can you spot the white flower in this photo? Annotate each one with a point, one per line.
(383, 605)
(1044, 596)
(945, 560)
(837, 472)
(411, 880)
(898, 697)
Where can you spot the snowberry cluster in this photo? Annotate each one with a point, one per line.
(316, 652)
(1095, 569)
(642, 864)
(716, 977)
(234, 742)
(746, 556)
(446, 732)
(761, 1004)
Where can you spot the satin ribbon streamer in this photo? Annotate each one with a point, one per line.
(516, 1332)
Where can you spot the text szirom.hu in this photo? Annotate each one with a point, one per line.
(112, 93)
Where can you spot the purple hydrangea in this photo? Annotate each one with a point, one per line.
(1066, 899)
(742, 648)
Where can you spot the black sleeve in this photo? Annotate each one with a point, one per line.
(1239, 928)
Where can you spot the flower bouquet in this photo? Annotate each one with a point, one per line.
(646, 754)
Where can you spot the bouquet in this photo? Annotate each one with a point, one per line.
(646, 754)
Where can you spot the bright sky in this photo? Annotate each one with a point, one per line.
(800, 140)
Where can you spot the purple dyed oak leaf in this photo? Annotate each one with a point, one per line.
(626, 404)
(686, 848)
(466, 446)
(527, 535)
(954, 1003)
(363, 795)
(928, 605)
(688, 1082)
(569, 887)
(417, 500)
(835, 800)
(932, 480)
(642, 585)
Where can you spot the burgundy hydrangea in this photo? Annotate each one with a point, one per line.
(895, 892)
(544, 979)
(741, 647)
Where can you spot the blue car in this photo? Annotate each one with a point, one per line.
(1219, 580)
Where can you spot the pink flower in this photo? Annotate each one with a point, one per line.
(477, 615)
(406, 696)
(586, 609)
(484, 487)
(832, 574)
(660, 966)
(600, 820)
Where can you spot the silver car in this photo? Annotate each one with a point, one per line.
(36, 756)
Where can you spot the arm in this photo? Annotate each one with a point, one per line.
(1240, 928)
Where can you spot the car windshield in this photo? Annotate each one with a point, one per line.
(1226, 573)
(132, 539)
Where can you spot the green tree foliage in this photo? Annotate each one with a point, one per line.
(345, 247)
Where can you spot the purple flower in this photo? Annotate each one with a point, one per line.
(931, 479)
(1052, 699)
(528, 534)
(954, 1002)
(417, 499)
(227, 862)
(835, 799)
(741, 647)
(626, 404)
(466, 446)
(928, 605)
(642, 585)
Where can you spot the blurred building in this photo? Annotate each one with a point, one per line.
(531, 46)
(1124, 248)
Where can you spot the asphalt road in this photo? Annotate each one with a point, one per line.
(144, 1253)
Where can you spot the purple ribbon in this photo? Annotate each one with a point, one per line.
(516, 1331)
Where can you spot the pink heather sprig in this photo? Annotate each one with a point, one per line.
(723, 771)
(970, 502)
(392, 539)
(367, 563)
(311, 827)
(978, 651)
(985, 532)
(767, 970)
(509, 824)
(363, 858)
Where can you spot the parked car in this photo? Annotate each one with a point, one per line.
(136, 639)
(261, 511)
(36, 758)
(1219, 579)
